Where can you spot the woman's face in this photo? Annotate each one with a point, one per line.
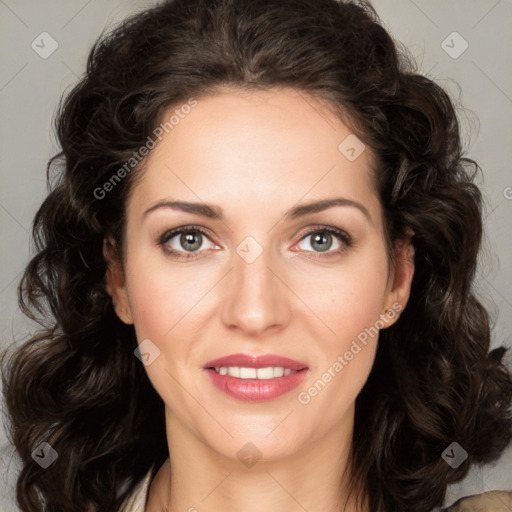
(260, 280)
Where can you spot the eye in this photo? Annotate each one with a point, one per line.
(191, 239)
(322, 241)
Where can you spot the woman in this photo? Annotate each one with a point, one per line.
(259, 258)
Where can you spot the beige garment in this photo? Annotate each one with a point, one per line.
(490, 501)
(137, 500)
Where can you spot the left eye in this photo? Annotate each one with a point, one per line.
(322, 240)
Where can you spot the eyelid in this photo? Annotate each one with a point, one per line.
(323, 227)
(171, 233)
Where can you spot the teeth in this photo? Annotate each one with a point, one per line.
(279, 371)
(245, 373)
(234, 371)
(254, 373)
(267, 373)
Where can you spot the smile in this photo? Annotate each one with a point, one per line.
(255, 378)
(242, 372)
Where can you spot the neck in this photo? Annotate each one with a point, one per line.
(197, 479)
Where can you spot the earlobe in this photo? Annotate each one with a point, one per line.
(115, 281)
(398, 296)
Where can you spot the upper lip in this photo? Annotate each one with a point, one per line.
(252, 361)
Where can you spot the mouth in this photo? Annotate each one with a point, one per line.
(255, 378)
(243, 372)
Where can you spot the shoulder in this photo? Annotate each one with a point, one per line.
(490, 501)
(137, 501)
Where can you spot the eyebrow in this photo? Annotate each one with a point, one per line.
(215, 212)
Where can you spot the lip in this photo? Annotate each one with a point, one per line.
(251, 361)
(256, 390)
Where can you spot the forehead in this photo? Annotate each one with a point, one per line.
(258, 151)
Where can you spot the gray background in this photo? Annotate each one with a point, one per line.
(30, 87)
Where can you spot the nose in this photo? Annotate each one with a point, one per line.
(256, 298)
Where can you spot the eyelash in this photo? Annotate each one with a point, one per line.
(341, 235)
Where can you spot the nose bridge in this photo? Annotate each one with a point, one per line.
(255, 300)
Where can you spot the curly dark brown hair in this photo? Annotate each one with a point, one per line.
(76, 383)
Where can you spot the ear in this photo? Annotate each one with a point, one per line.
(115, 282)
(399, 286)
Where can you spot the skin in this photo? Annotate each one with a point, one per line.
(256, 155)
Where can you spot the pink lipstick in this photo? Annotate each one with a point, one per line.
(255, 378)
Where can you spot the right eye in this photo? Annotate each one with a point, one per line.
(191, 239)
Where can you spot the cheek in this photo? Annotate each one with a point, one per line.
(165, 303)
(160, 300)
(349, 303)
(349, 296)
(160, 296)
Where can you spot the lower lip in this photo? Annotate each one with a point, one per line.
(256, 390)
